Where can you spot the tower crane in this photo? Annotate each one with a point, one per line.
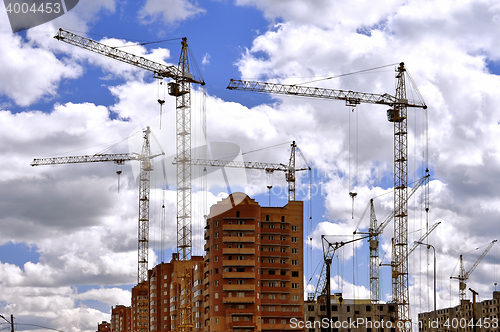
(463, 276)
(375, 231)
(144, 158)
(181, 89)
(397, 114)
(268, 167)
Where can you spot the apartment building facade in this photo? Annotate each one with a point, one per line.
(253, 266)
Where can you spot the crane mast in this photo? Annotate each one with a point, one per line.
(398, 115)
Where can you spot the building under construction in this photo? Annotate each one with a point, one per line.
(462, 318)
(347, 315)
(250, 279)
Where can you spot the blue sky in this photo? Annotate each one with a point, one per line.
(69, 238)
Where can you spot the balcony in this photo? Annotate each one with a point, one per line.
(235, 262)
(278, 327)
(245, 299)
(236, 239)
(238, 251)
(240, 312)
(238, 288)
(206, 292)
(241, 325)
(238, 275)
(238, 227)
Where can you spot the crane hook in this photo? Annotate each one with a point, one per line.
(353, 195)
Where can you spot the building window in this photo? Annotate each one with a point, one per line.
(283, 238)
(295, 262)
(216, 223)
(295, 239)
(295, 228)
(216, 308)
(240, 245)
(283, 249)
(216, 247)
(216, 259)
(217, 235)
(217, 321)
(229, 245)
(267, 217)
(295, 297)
(283, 261)
(295, 250)
(216, 295)
(216, 271)
(240, 258)
(271, 226)
(295, 273)
(283, 226)
(216, 282)
(237, 214)
(240, 281)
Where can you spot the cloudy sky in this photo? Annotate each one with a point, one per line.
(68, 245)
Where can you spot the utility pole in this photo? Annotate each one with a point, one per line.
(474, 316)
(11, 322)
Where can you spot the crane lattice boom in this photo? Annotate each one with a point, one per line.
(159, 70)
(118, 158)
(350, 97)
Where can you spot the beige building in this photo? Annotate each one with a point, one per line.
(356, 315)
(253, 272)
(459, 318)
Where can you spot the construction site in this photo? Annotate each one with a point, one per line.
(252, 275)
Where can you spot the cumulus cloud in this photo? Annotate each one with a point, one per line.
(170, 12)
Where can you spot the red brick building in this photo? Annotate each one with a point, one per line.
(104, 327)
(121, 319)
(253, 272)
(168, 295)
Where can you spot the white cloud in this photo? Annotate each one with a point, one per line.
(170, 11)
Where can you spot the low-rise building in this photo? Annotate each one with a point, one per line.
(358, 315)
(460, 317)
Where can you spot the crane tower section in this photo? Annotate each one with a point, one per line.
(400, 268)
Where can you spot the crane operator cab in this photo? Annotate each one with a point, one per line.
(393, 115)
